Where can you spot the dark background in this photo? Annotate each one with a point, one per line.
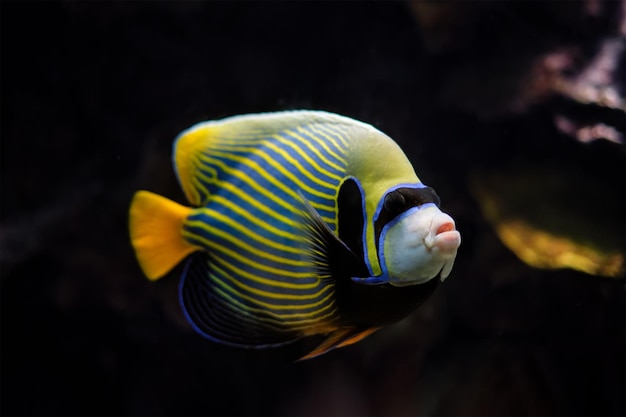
(93, 94)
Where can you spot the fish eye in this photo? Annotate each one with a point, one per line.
(394, 202)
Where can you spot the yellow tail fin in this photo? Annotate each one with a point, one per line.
(156, 225)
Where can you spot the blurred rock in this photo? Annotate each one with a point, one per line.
(555, 215)
(503, 58)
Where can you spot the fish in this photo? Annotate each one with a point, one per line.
(299, 223)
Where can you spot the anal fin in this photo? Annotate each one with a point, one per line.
(339, 338)
(357, 337)
(222, 319)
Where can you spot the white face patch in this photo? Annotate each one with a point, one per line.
(418, 245)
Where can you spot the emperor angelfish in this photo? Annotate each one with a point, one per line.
(301, 223)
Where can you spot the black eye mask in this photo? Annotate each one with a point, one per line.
(400, 200)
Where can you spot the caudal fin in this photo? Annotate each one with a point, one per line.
(156, 225)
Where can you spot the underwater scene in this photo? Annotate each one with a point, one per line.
(280, 208)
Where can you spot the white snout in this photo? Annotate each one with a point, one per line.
(443, 240)
(419, 245)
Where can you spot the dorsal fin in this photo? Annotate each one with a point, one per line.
(187, 147)
(197, 178)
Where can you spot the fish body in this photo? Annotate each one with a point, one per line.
(301, 223)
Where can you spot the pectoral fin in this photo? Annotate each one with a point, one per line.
(330, 256)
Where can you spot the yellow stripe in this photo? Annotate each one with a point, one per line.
(305, 155)
(272, 308)
(260, 170)
(316, 151)
(195, 195)
(248, 181)
(295, 275)
(267, 158)
(324, 131)
(237, 242)
(221, 200)
(199, 175)
(279, 319)
(244, 316)
(269, 294)
(270, 160)
(340, 146)
(198, 186)
(248, 232)
(342, 131)
(296, 165)
(246, 197)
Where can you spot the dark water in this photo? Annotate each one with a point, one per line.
(93, 94)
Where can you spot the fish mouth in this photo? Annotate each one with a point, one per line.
(447, 241)
(443, 235)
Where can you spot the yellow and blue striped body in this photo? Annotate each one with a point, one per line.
(259, 277)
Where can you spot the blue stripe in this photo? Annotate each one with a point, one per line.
(314, 137)
(211, 187)
(206, 218)
(315, 143)
(313, 170)
(222, 242)
(334, 132)
(280, 194)
(251, 241)
(330, 191)
(270, 276)
(228, 286)
(232, 319)
(252, 173)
